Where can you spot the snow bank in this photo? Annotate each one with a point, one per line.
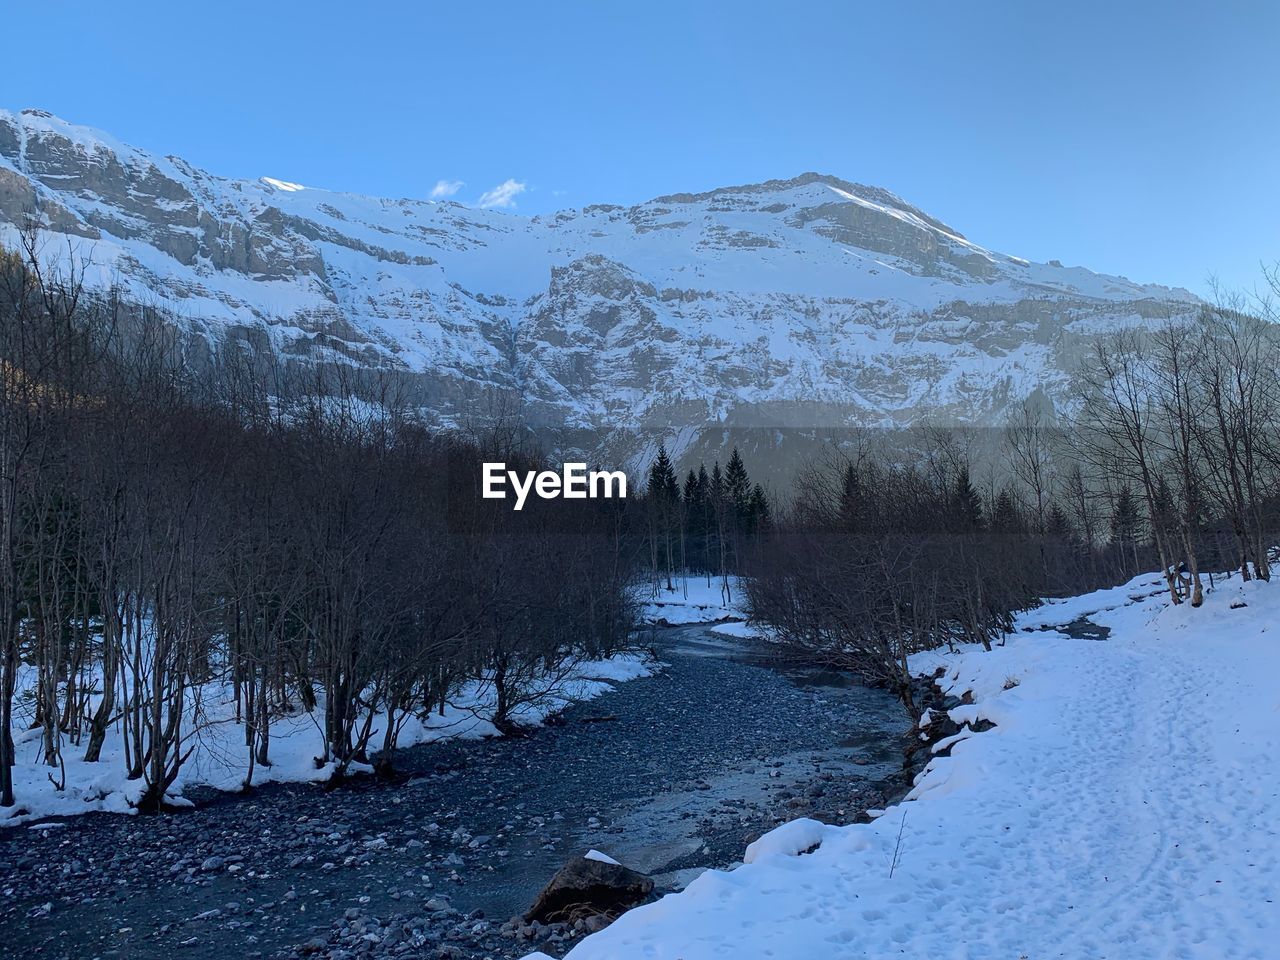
(789, 840)
(739, 630)
(220, 759)
(692, 600)
(1093, 605)
(1124, 807)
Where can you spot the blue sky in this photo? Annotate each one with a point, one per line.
(1138, 138)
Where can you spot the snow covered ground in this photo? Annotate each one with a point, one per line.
(1124, 807)
(220, 758)
(692, 600)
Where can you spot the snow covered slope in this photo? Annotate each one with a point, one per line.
(1122, 808)
(807, 302)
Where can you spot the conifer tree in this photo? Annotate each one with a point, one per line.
(707, 520)
(1124, 518)
(738, 486)
(694, 518)
(720, 521)
(761, 514)
(1005, 516)
(850, 499)
(664, 512)
(968, 505)
(690, 493)
(1059, 526)
(662, 476)
(1125, 524)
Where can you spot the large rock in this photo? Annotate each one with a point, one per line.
(589, 886)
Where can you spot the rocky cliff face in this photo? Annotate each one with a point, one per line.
(811, 303)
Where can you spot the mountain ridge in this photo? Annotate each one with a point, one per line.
(743, 305)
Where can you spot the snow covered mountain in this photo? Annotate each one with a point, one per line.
(805, 303)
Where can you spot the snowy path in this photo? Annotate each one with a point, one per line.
(1124, 807)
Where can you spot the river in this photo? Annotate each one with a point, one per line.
(670, 774)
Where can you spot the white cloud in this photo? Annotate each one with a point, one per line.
(445, 188)
(503, 195)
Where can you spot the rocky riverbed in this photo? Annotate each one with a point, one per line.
(670, 775)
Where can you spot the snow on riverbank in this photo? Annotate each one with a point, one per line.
(220, 758)
(1123, 807)
(692, 600)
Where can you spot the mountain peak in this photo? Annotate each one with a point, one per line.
(871, 194)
